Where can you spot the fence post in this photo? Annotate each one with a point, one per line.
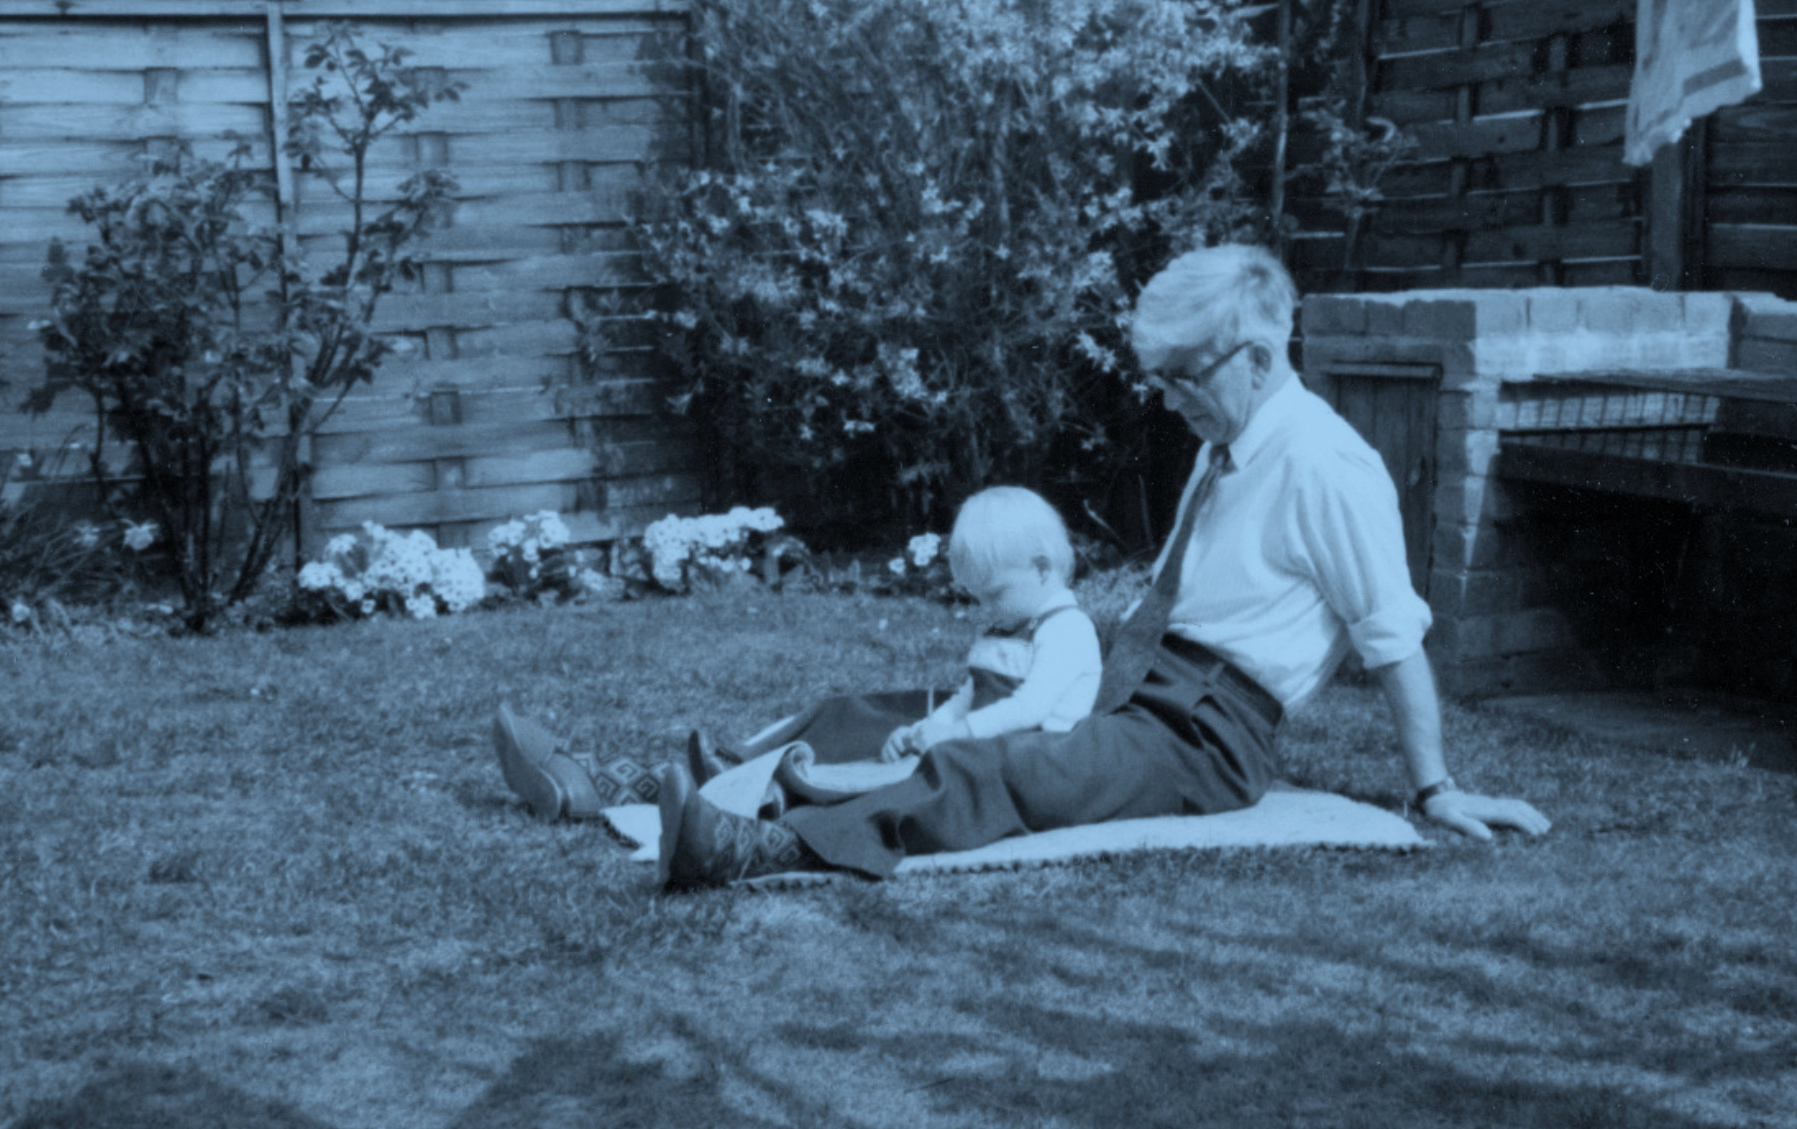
(1453, 247)
(1675, 213)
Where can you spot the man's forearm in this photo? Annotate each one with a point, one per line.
(1409, 686)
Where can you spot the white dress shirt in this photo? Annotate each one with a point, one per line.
(1299, 553)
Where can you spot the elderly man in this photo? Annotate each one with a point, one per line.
(1288, 552)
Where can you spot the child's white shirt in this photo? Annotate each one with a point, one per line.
(1060, 664)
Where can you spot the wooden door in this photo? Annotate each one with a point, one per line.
(1393, 408)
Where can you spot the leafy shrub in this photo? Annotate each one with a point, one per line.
(48, 557)
(909, 257)
(159, 324)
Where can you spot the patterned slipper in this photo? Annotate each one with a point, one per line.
(527, 752)
(703, 845)
(676, 787)
(581, 777)
(703, 757)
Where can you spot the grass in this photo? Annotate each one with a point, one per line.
(276, 880)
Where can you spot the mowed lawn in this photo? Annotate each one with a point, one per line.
(276, 880)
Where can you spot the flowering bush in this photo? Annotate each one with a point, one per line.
(376, 570)
(531, 556)
(910, 266)
(533, 560)
(921, 570)
(683, 551)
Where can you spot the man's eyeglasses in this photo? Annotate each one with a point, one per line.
(1166, 383)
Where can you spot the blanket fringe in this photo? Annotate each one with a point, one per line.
(810, 879)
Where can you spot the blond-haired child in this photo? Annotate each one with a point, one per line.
(1039, 665)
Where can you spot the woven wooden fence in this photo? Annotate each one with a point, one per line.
(1518, 108)
(1741, 208)
(559, 121)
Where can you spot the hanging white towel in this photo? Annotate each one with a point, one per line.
(1691, 57)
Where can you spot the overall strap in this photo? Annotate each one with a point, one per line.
(1035, 625)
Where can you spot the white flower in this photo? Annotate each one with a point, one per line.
(457, 580)
(87, 534)
(923, 549)
(421, 606)
(765, 520)
(367, 606)
(139, 537)
(21, 611)
(552, 532)
(596, 583)
(341, 545)
(503, 537)
(399, 563)
(317, 575)
(896, 566)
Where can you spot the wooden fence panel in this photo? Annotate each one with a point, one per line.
(1517, 179)
(1518, 109)
(1748, 171)
(563, 114)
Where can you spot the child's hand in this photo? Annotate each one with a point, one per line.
(935, 730)
(898, 744)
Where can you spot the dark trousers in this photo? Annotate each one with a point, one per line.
(1196, 738)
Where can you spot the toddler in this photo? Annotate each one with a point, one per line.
(1039, 665)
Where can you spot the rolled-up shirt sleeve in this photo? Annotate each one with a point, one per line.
(1353, 539)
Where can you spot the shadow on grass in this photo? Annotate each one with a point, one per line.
(1080, 1069)
(1241, 1071)
(1003, 1058)
(674, 1077)
(1266, 1074)
(149, 1096)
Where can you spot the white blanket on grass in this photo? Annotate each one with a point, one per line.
(1285, 817)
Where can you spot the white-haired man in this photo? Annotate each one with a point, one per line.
(1288, 552)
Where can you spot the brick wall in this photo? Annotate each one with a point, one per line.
(1536, 587)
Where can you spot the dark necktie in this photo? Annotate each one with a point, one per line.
(1139, 637)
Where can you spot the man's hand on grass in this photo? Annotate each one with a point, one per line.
(1472, 814)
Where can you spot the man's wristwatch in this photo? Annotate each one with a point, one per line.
(1445, 784)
